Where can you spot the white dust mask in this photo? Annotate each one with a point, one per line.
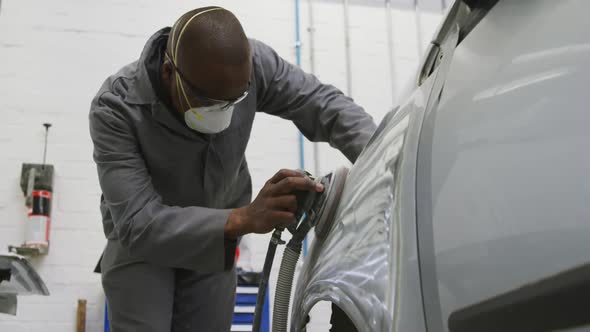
(208, 120)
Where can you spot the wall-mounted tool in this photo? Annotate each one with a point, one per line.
(313, 210)
(37, 185)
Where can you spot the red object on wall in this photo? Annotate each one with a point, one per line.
(38, 223)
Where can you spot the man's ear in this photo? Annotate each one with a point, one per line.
(167, 70)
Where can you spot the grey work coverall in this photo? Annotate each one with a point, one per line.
(168, 190)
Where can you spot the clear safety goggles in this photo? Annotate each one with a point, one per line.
(201, 98)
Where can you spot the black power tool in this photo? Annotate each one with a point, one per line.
(313, 210)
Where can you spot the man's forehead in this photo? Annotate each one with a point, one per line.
(213, 35)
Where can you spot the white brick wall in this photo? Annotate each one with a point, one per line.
(55, 54)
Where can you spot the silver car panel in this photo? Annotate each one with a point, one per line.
(503, 165)
(501, 178)
(373, 276)
(355, 272)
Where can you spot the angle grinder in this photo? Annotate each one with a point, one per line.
(313, 210)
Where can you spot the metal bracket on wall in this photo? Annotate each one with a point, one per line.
(36, 176)
(26, 251)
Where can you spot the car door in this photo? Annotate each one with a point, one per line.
(502, 185)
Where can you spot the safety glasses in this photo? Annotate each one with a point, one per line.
(203, 100)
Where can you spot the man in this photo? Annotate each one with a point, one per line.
(170, 131)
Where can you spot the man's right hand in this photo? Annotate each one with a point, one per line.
(275, 205)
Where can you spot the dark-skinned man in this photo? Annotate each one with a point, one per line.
(170, 132)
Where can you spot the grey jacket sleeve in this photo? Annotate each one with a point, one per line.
(182, 237)
(320, 111)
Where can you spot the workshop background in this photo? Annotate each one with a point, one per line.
(54, 55)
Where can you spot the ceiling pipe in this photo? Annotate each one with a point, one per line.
(311, 30)
(418, 28)
(347, 48)
(390, 47)
(298, 59)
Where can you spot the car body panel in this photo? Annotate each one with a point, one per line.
(476, 186)
(503, 184)
(355, 272)
(363, 273)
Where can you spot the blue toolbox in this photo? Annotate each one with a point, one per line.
(246, 293)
